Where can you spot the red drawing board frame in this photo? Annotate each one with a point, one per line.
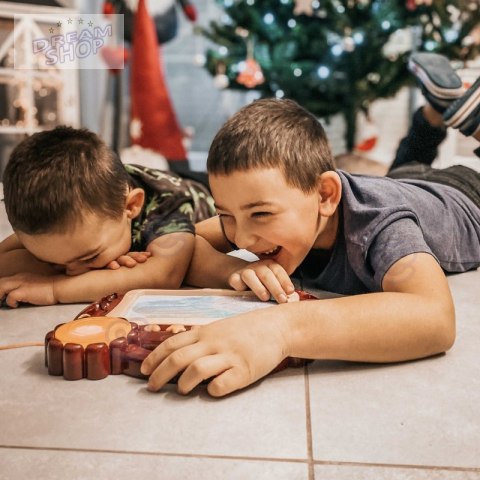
(117, 333)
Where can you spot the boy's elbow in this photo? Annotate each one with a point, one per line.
(449, 332)
(171, 280)
(446, 329)
(172, 283)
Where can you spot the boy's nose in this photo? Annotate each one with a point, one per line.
(244, 239)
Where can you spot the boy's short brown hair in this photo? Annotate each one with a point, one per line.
(54, 177)
(273, 133)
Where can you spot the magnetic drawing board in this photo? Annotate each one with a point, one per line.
(192, 307)
(115, 334)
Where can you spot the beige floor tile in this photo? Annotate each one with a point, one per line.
(417, 413)
(18, 464)
(348, 472)
(118, 413)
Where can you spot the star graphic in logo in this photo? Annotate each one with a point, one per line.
(69, 21)
(90, 23)
(59, 24)
(51, 30)
(80, 21)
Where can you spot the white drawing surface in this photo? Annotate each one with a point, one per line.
(190, 310)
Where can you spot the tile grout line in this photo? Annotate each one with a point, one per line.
(233, 457)
(155, 454)
(308, 420)
(397, 466)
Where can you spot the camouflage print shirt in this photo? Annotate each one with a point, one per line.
(172, 204)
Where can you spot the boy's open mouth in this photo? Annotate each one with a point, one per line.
(269, 253)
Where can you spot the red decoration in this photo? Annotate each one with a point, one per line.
(153, 118)
(367, 144)
(189, 10)
(251, 75)
(411, 5)
(114, 57)
(108, 9)
(367, 134)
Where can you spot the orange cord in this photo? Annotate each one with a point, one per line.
(21, 345)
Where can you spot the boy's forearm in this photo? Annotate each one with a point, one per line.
(210, 268)
(10, 243)
(378, 327)
(22, 261)
(95, 284)
(165, 269)
(211, 231)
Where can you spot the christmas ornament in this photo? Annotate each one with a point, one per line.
(153, 121)
(303, 7)
(252, 74)
(413, 4)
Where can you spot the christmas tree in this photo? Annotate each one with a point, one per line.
(334, 56)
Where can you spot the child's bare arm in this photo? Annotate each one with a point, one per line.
(413, 318)
(10, 243)
(211, 230)
(15, 258)
(166, 268)
(213, 269)
(209, 267)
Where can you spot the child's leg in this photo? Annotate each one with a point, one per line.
(464, 113)
(422, 140)
(462, 178)
(441, 86)
(438, 81)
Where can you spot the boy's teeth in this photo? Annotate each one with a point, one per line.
(270, 251)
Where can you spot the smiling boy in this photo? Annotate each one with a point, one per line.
(385, 243)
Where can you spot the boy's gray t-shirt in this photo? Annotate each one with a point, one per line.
(382, 220)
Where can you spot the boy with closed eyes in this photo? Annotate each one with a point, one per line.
(81, 218)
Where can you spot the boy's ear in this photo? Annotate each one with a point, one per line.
(134, 202)
(330, 192)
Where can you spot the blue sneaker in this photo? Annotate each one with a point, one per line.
(439, 83)
(464, 113)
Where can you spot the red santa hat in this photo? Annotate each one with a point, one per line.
(153, 121)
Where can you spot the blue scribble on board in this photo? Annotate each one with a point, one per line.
(185, 307)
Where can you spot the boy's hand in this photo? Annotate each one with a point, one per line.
(265, 278)
(237, 351)
(28, 288)
(129, 260)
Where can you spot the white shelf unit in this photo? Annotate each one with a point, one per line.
(32, 98)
